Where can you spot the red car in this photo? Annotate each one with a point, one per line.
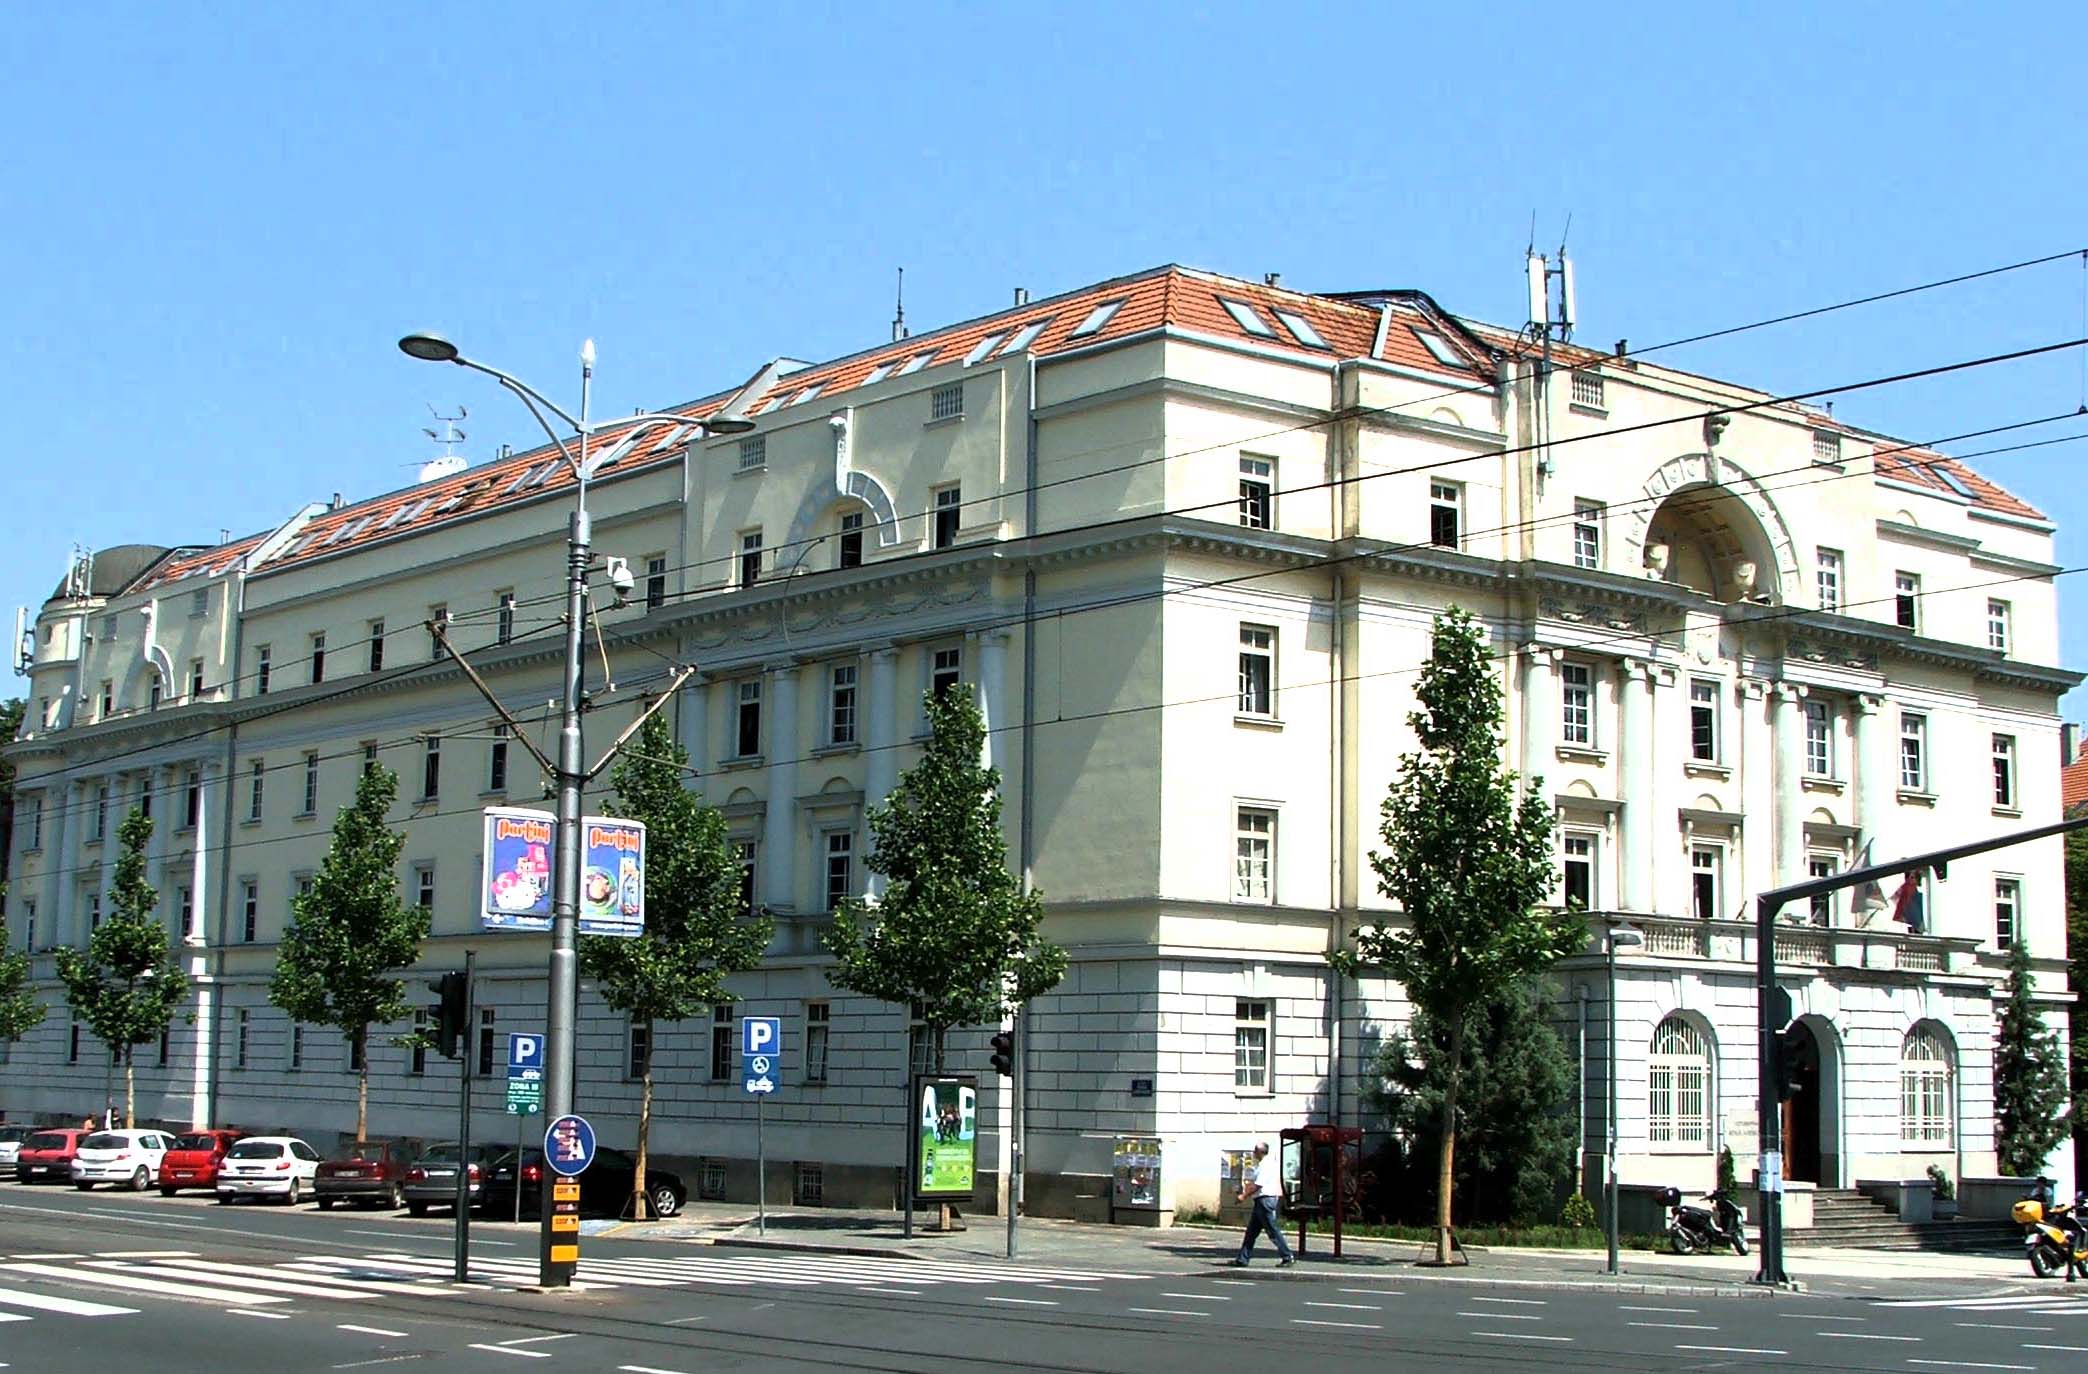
(193, 1162)
(47, 1156)
(371, 1172)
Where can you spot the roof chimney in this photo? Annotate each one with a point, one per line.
(1272, 279)
(1022, 295)
(1623, 347)
(336, 502)
(2069, 743)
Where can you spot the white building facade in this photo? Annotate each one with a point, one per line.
(1184, 537)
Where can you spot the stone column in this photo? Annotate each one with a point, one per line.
(1788, 715)
(779, 827)
(1540, 723)
(1876, 770)
(992, 650)
(692, 727)
(156, 847)
(1758, 769)
(880, 739)
(111, 846)
(1636, 751)
(60, 830)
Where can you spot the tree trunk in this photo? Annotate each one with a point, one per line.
(130, 1086)
(1446, 1156)
(641, 1202)
(362, 1083)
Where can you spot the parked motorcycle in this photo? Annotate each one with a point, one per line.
(2052, 1231)
(1710, 1225)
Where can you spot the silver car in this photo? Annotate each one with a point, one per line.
(432, 1181)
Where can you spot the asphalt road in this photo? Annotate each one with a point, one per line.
(183, 1284)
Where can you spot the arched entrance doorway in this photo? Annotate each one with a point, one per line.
(1811, 1125)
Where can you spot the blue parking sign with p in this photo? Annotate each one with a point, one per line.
(760, 1036)
(525, 1051)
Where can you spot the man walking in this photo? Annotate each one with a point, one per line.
(1262, 1190)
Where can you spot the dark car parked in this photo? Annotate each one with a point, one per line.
(605, 1188)
(47, 1156)
(370, 1172)
(431, 1181)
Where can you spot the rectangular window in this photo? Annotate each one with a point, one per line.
(504, 619)
(358, 1050)
(199, 602)
(1823, 866)
(192, 800)
(487, 1046)
(29, 926)
(1587, 534)
(743, 854)
(1819, 739)
(311, 785)
(72, 1043)
(2008, 901)
(261, 669)
(297, 1044)
(145, 798)
(637, 1050)
(749, 557)
(1445, 514)
(239, 1045)
(424, 886)
(153, 692)
(1705, 865)
(318, 658)
(185, 908)
(840, 868)
(1254, 855)
(2004, 771)
(721, 1055)
(1588, 388)
(923, 1044)
(249, 911)
(1250, 1046)
(655, 582)
(418, 1064)
(93, 912)
(1577, 878)
(747, 735)
(1257, 492)
(818, 1026)
(257, 773)
(753, 452)
(431, 767)
(841, 705)
(195, 679)
(949, 507)
(376, 646)
(1829, 576)
(1913, 752)
(101, 812)
(36, 823)
(1997, 626)
(945, 671)
(1257, 670)
(165, 1044)
(496, 759)
(1826, 446)
(369, 757)
(946, 402)
(1906, 600)
(851, 548)
(108, 698)
(438, 623)
(1703, 721)
(1577, 705)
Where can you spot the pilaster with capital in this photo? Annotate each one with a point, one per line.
(1875, 768)
(692, 722)
(992, 648)
(1758, 777)
(1539, 721)
(779, 821)
(880, 738)
(1787, 713)
(1635, 755)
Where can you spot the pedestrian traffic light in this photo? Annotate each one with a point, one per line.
(1004, 1054)
(1789, 1053)
(455, 991)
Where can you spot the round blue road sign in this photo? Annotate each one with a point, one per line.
(569, 1145)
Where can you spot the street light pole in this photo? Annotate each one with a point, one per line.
(570, 774)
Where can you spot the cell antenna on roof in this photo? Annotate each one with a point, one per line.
(449, 460)
(899, 330)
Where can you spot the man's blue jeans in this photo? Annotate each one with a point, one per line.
(1263, 1218)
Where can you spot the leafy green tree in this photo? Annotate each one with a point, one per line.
(2030, 1099)
(698, 931)
(1516, 1129)
(21, 1010)
(954, 931)
(125, 985)
(350, 932)
(1466, 866)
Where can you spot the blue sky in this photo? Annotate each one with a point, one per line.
(220, 217)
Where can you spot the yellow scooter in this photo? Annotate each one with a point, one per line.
(2053, 1232)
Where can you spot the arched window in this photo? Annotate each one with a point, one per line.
(1678, 1087)
(1927, 1064)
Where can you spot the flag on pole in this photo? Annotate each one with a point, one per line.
(1907, 905)
(1867, 897)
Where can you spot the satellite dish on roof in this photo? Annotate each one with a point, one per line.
(443, 466)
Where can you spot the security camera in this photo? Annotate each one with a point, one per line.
(620, 580)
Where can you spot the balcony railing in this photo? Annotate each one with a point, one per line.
(1873, 946)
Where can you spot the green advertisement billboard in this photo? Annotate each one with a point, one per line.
(946, 1135)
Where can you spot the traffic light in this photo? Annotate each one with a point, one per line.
(1004, 1054)
(1790, 1053)
(455, 991)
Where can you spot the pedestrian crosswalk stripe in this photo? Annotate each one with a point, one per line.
(105, 1278)
(228, 1275)
(12, 1317)
(72, 1307)
(2054, 1303)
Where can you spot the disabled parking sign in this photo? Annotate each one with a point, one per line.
(761, 1045)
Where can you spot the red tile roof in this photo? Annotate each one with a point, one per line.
(2073, 784)
(1925, 468)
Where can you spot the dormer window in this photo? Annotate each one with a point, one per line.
(1301, 329)
(1097, 319)
(1245, 316)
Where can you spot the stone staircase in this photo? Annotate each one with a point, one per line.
(1846, 1217)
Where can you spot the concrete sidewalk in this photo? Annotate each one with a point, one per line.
(1188, 1249)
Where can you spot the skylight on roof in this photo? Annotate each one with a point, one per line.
(981, 349)
(916, 362)
(1301, 329)
(1952, 480)
(1097, 318)
(1245, 316)
(1444, 353)
(1025, 336)
(808, 393)
(878, 373)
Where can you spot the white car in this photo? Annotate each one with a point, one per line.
(267, 1166)
(11, 1138)
(128, 1157)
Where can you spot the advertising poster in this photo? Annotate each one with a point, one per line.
(612, 876)
(948, 1131)
(516, 892)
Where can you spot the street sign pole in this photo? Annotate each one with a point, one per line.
(760, 1171)
(463, 1208)
(761, 1064)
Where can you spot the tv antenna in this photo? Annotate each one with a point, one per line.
(450, 436)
